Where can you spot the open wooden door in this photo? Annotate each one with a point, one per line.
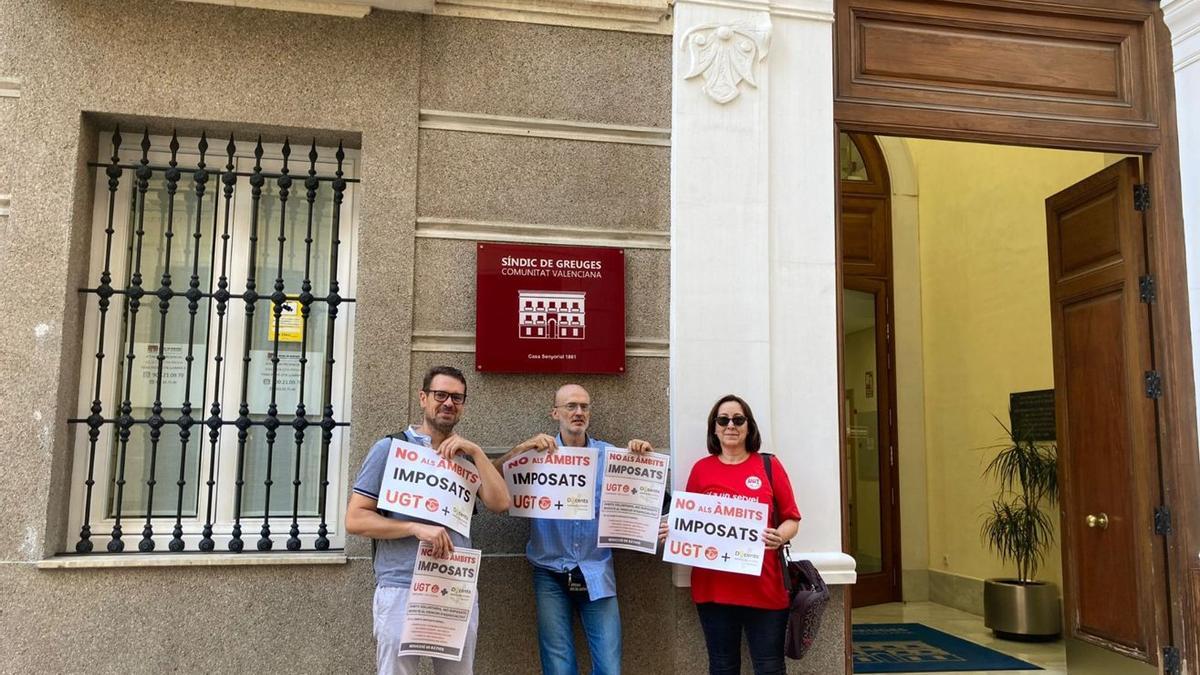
(1114, 565)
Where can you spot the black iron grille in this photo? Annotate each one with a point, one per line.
(219, 406)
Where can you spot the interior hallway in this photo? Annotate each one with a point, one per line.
(1049, 655)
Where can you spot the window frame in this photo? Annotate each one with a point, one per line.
(114, 344)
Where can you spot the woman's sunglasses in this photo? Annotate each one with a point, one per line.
(724, 420)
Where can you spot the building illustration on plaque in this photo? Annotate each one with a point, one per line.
(551, 315)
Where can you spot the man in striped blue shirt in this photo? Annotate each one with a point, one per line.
(570, 573)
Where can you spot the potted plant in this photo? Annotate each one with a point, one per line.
(1019, 530)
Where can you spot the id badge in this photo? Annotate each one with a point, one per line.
(576, 584)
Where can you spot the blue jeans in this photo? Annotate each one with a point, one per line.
(723, 626)
(556, 638)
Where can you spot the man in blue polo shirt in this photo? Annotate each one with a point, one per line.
(397, 538)
(570, 573)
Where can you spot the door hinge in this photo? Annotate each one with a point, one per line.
(1153, 384)
(1170, 660)
(1147, 288)
(1162, 520)
(1141, 197)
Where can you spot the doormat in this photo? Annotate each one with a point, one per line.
(916, 648)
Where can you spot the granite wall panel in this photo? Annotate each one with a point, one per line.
(527, 70)
(544, 181)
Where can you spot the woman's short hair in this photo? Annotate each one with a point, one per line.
(753, 439)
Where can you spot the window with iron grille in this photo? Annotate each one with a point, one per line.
(217, 346)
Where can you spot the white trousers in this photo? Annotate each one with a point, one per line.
(389, 607)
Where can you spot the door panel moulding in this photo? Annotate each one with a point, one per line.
(635, 16)
(544, 128)
(463, 342)
(429, 227)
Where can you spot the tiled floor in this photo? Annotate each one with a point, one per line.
(1049, 655)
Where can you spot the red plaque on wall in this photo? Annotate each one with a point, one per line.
(549, 309)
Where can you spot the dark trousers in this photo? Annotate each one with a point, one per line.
(723, 626)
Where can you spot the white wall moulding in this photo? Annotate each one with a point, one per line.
(544, 128)
(1183, 19)
(812, 10)
(482, 230)
(5, 205)
(726, 55)
(72, 562)
(463, 342)
(836, 568)
(10, 87)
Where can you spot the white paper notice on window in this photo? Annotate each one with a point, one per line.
(418, 483)
(440, 600)
(559, 485)
(719, 533)
(144, 383)
(632, 499)
(287, 381)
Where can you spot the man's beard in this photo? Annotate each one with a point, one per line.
(442, 427)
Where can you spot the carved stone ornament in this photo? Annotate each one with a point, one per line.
(725, 55)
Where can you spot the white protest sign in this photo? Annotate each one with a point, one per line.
(417, 482)
(631, 501)
(559, 485)
(439, 603)
(719, 533)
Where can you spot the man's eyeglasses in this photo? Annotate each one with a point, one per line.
(440, 396)
(724, 420)
(576, 407)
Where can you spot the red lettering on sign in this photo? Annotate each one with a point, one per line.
(402, 498)
(523, 501)
(683, 503)
(685, 549)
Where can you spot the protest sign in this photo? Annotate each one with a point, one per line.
(439, 603)
(559, 485)
(720, 533)
(417, 482)
(631, 501)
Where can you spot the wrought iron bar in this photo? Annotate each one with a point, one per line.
(278, 298)
(300, 422)
(94, 421)
(214, 421)
(185, 421)
(164, 304)
(250, 295)
(133, 301)
(202, 295)
(158, 168)
(328, 424)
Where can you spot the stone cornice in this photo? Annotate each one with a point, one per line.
(639, 16)
(1183, 19)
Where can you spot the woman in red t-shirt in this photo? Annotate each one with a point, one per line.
(730, 603)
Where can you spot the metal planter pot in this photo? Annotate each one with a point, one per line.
(1022, 611)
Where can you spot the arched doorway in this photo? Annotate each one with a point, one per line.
(868, 367)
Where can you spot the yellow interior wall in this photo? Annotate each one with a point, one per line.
(986, 320)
